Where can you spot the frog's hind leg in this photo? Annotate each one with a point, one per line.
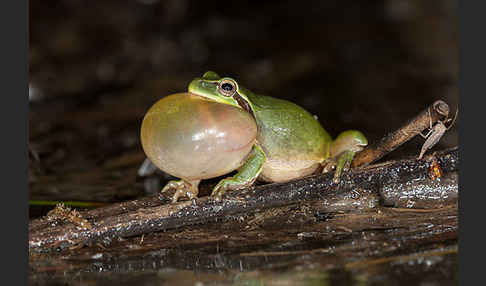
(246, 175)
(342, 152)
(182, 188)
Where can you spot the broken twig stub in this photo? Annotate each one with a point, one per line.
(432, 114)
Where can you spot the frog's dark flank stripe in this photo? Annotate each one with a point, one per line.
(243, 103)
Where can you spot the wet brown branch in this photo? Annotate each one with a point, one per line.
(362, 187)
(437, 111)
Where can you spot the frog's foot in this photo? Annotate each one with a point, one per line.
(182, 188)
(246, 175)
(328, 165)
(340, 164)
(228, 184)
(343, 149)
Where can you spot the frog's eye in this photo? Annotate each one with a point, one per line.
(227, 87)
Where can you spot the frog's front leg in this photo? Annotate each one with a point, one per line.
(342, 152)
(246, 176)
(183, 188)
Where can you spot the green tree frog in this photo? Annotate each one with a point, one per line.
(219, 126)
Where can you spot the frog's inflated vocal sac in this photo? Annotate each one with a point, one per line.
(219, 126)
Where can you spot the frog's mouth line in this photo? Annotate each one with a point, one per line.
(239, 99)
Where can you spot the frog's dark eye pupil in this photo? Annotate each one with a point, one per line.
(227, 86)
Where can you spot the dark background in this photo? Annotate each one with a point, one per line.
(95, 67)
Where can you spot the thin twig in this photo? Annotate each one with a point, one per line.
(435, 112)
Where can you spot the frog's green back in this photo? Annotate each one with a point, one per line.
(287, 132)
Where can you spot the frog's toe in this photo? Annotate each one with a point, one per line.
(220, 189)
(338, 164)
(343, 164)
(328, 166)
(171, 185)
(182, 189)
(184, 192)
(228, 184)
(337, 174)
(337, 177)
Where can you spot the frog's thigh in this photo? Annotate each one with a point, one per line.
(282, 171)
